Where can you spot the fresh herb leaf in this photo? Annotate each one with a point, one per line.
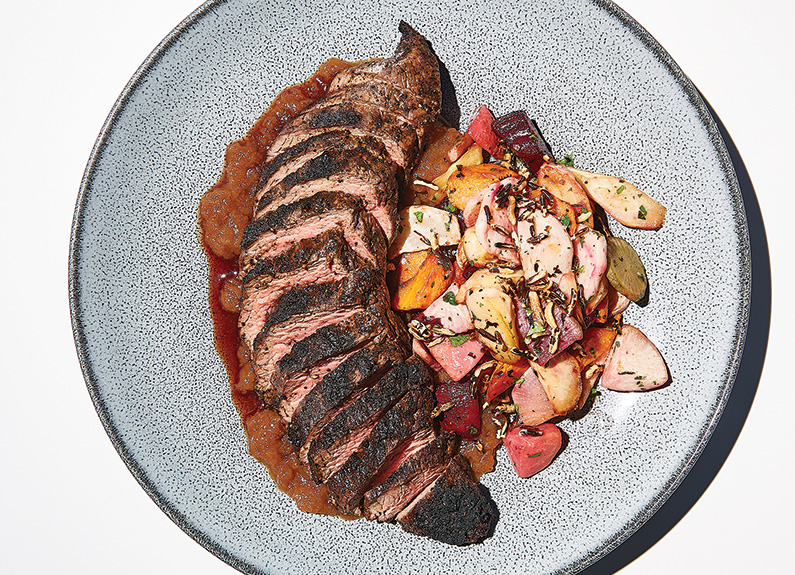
(458, 340)
(449, 297)
(535, 455)
(568, 160)
(642, 213)
(418, 215)
(620, 189)
(449, 207)
(564, 219)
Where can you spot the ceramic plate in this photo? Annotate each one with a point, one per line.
(600, 87)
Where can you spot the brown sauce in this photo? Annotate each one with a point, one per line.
(224, 212)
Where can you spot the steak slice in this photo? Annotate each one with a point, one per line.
(301, 305)
(398, 136)
(330, 393)
(397, 426)
(408, 475)
(345, 431)
(387, 97)
(364, 171)
(413, 68)
(278, 230)
(323, 258)
(296, 373)
(290, 159)
(453, 509)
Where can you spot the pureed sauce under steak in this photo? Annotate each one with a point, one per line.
(224, 212)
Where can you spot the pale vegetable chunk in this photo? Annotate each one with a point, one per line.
(560, 379)
(496, 222)
(420, 227)
(451, 314)
(544, 245)
(493, 317)
(472, 157)
(532, 403)
(590, 250)
(622, 200)
(471, 252)
(634, 363)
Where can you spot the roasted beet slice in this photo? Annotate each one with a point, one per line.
(521, 134)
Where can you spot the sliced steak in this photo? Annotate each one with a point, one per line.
(397, 426)
(365, 171)
(290, 159)
(385, 96)
(419, 465)
(345, 431)
(398, 136)
(277, 231)
(453, 509)
(413, 68)
(314, 260)
(301, 305)
(297, 372)
(329, 395)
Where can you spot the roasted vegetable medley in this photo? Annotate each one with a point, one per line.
(514, 285)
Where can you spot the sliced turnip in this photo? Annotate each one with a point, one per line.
(532, 403)
(493, 317)
(496, 222)
(560, 379)
(544, 245)
(634, 363)
(559, 181)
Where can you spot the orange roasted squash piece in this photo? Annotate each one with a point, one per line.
(421, 277)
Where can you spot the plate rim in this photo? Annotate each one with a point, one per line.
(729, 375)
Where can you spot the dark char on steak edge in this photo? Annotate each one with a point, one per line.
(328, 352)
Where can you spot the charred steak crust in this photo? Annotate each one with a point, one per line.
(360, 288)
(436, 454)
(454, 509)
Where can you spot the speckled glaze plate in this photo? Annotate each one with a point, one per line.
(600, 87)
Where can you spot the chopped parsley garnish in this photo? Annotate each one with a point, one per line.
(568, 160)
(449, 297)
(457, 340)
(449, 207)
(564, 219)
(535, 455)
(642, 213)
(620, 189)
(418, 215)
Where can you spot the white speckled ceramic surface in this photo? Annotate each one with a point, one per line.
(599, 86)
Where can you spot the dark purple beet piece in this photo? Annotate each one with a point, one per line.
(522, 135)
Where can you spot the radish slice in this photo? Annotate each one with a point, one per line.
(590, 249)
(451, 315)
(634, 364)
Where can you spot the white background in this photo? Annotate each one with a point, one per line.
(68, 503)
